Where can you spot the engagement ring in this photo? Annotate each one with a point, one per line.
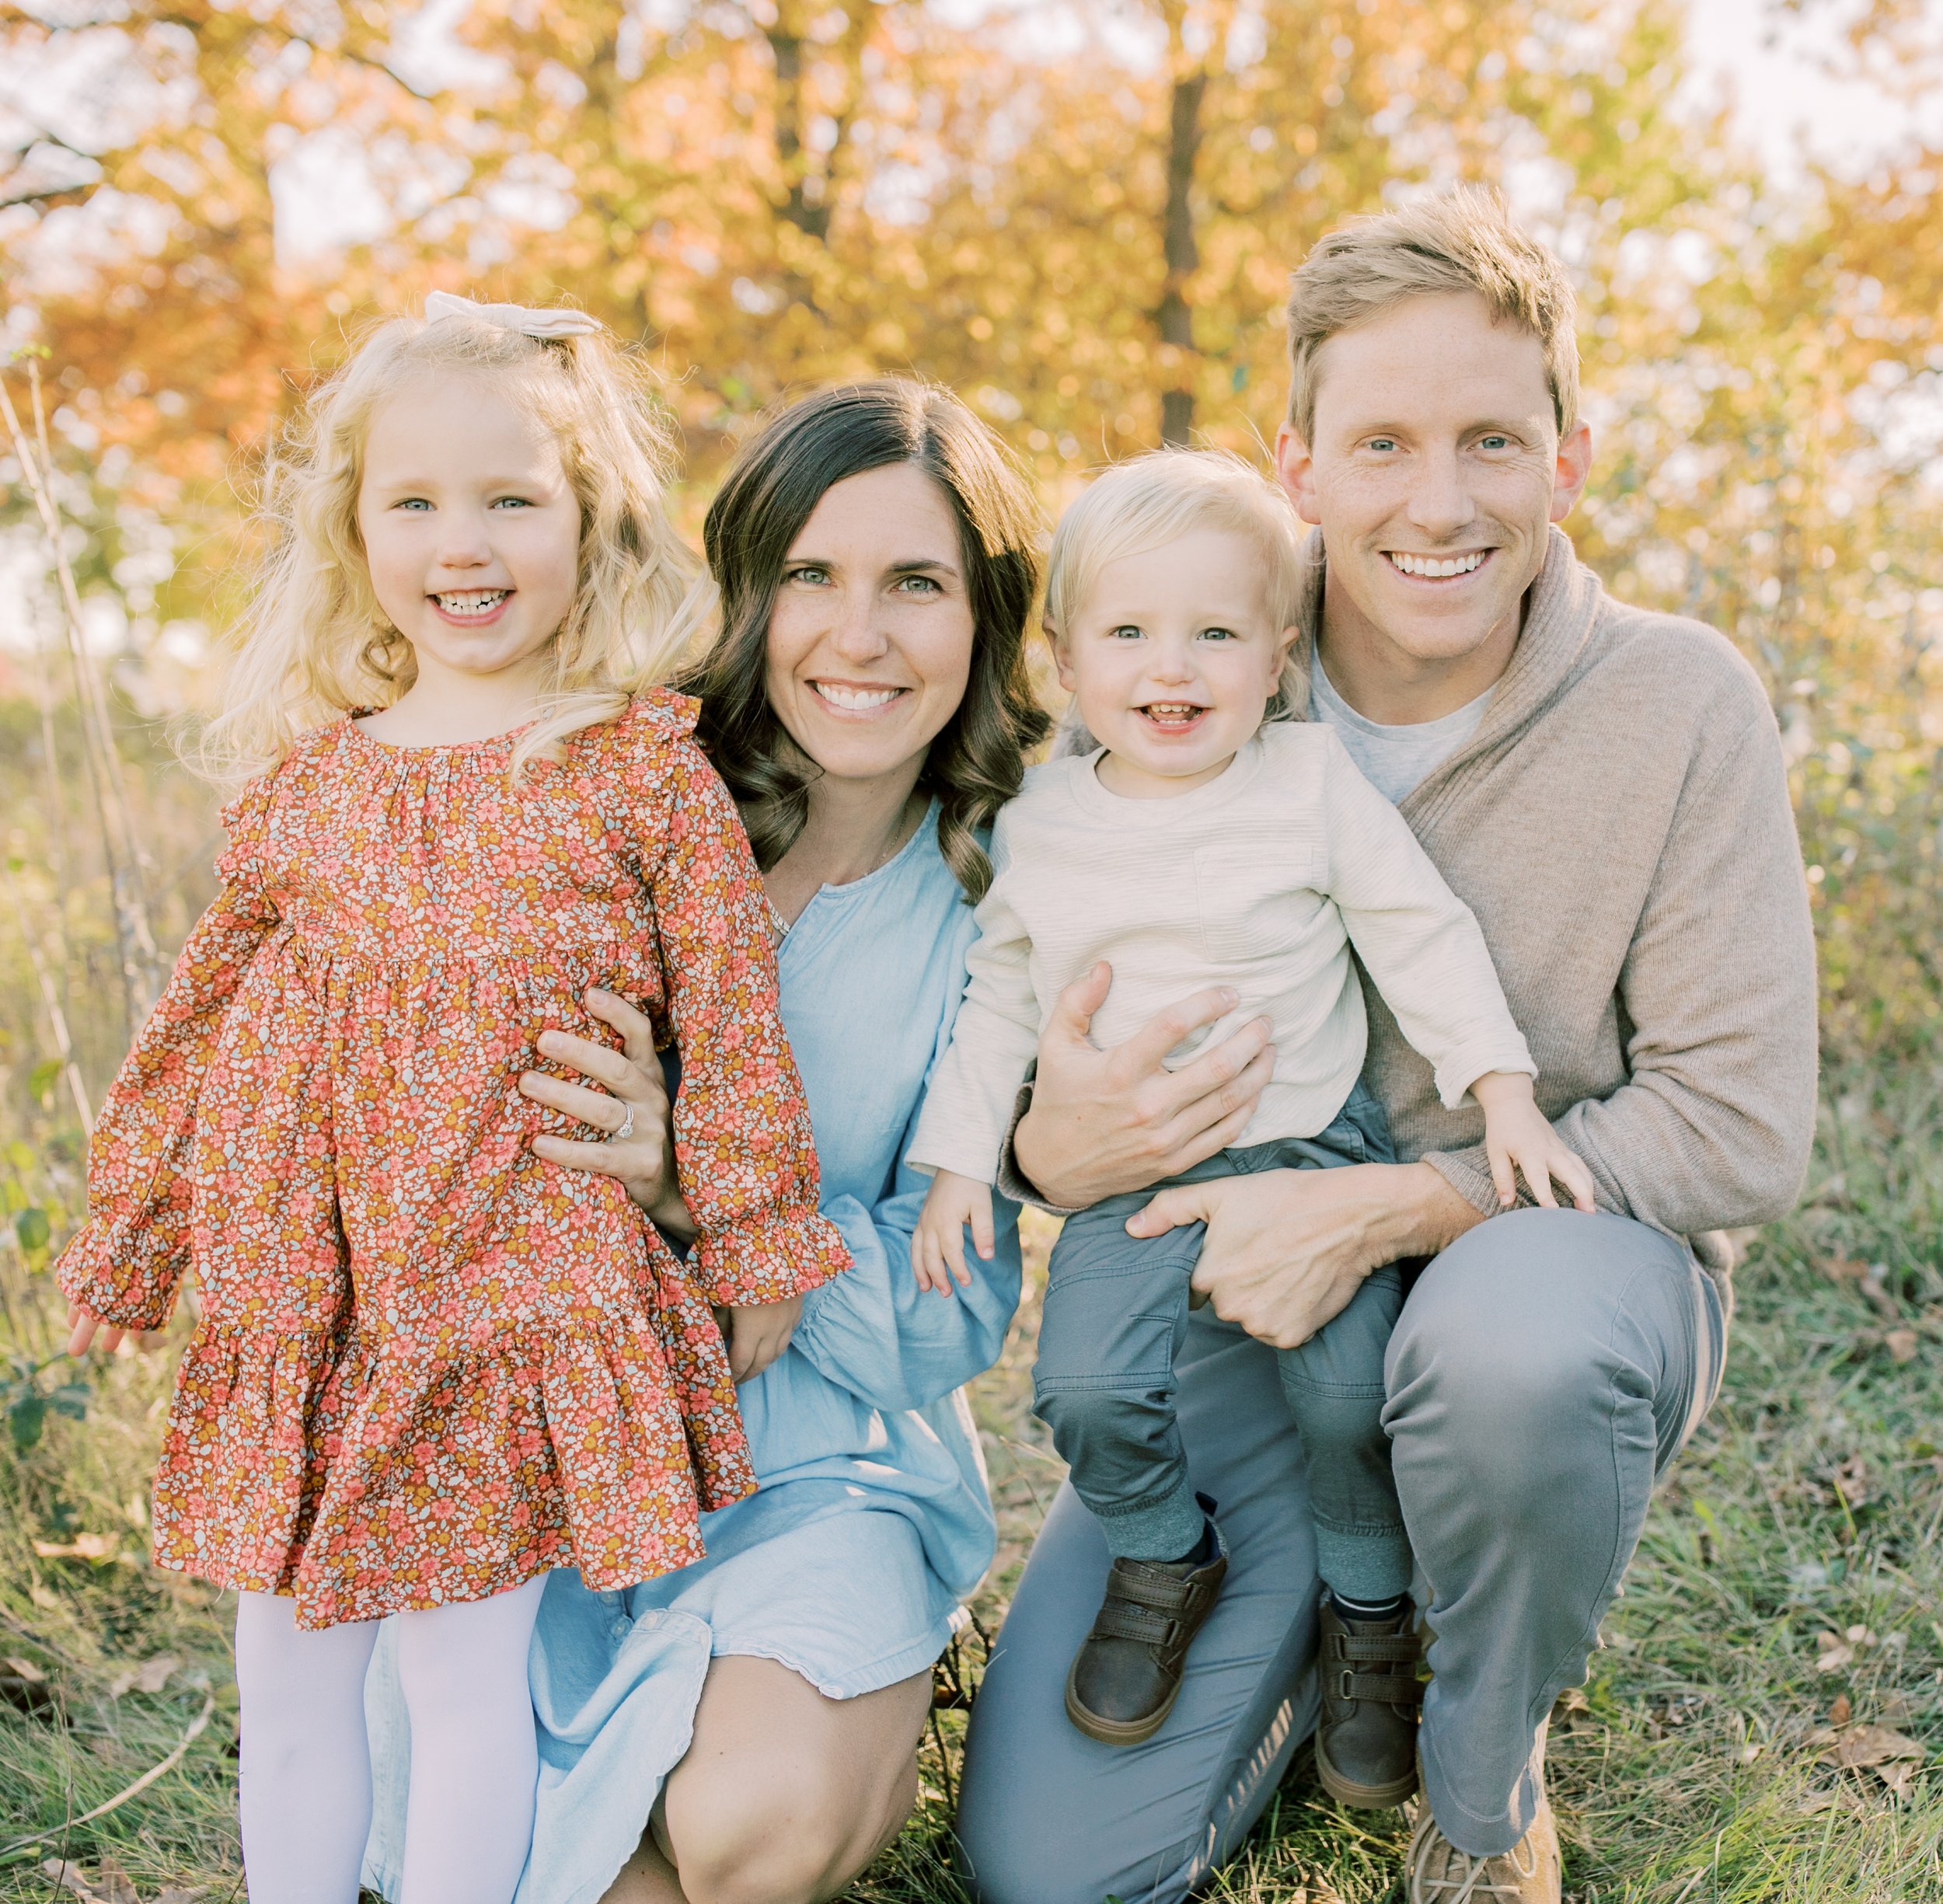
(626, 1130)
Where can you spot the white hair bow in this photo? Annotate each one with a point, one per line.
(544, 325)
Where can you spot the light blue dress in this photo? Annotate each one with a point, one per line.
(872, 1523)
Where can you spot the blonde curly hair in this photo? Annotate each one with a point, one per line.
(313, 643)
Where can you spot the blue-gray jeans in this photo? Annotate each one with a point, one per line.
(1546, 1367)
(1116, 1315)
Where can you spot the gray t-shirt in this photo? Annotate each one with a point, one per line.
(1394, 760)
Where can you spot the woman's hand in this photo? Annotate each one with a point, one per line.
(1103, 1123)
(757, 1335)
(629, 1080)
(84, 1322)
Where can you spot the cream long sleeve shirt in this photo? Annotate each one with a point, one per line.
(1261, 880)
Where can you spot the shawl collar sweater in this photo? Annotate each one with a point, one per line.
(1620, 825)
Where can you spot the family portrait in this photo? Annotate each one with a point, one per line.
(971, 954)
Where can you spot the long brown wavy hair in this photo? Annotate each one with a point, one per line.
(976, 762)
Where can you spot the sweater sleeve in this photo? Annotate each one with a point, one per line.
(744, 1156)
(967, 1111)
(1712, 1128)
(126, 1261)
(1418, 940)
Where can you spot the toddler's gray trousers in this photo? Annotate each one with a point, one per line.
(1545, 1370)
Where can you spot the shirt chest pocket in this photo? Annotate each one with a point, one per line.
(1256, 897)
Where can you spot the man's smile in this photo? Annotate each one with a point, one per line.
(1437, 568)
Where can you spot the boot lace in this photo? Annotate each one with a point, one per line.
(1464, 1877)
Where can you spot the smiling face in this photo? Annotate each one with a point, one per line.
(1172, 658)
(1435, 467)
(869, 640)
(472, 532)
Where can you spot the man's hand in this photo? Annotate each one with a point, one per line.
(1286, 1250)
(1103, 1123)
(758, 1334)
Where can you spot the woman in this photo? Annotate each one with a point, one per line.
(746, 1728)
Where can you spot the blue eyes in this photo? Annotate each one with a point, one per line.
(417, 505)
(1128, 632)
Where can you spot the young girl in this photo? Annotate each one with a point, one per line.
(431, 1366)
(1199, 847)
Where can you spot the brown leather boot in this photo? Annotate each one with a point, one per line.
(1127, 1673)
(1366, 1739)
(1527, 1874)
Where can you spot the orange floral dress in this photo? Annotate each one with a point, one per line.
(430, 1364)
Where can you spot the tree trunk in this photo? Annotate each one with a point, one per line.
(1175, 316)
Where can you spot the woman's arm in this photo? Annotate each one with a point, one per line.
(876, 1334)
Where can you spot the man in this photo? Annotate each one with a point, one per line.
(1604, 787)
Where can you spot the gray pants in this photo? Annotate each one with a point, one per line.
(1545, 1370)
(1116, 1313)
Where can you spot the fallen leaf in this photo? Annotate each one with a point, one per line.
(1860, 1635)
(83, 1547)
(112, 1885)
(1851, 1481)
(1840, 1797)
(174, 1894)
(64, 1877)
(1749, 1752)
(1895, 1709)
(154, 1674)
(26, 1668)
(1899, 1776)
(1841, 1712)
(1862, 1745)
(1902, 1344)
(1832, 1655)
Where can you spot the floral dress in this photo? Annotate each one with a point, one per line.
(429, 1364)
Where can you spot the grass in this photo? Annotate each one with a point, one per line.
(1789, 1590)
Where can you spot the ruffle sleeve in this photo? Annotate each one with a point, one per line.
(744, 1152)
(126, 1261)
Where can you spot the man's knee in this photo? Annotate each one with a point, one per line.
(1506, 1342)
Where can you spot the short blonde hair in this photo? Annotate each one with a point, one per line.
(313, 641)
(1461, 241)
(1151, 500)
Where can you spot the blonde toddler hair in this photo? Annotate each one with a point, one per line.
(1151, 500)
(1459, 242)
(313, 641)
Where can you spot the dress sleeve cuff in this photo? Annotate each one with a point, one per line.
(126, 1276)
(768, 1258)
(1011, 1181)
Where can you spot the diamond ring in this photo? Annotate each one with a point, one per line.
(626, 1130)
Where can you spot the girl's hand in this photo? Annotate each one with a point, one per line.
(937, 1244)
(84, 1322)
(1519, 1142)
(629, 1079)
(758, 1334)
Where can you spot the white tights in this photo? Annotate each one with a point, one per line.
(306, 1766)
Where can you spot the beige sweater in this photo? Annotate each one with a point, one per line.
(1260, 880)
(1619, 824)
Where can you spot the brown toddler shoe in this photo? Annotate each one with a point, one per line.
(1126, 1675)
(1366, 1739)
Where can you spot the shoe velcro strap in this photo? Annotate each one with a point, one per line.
(1398, 1646)
(1118, 1621)
(1384, 1688)
(1169, 1596)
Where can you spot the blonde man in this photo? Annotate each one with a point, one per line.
(1604, 788)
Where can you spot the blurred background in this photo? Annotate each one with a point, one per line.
(1081, 216)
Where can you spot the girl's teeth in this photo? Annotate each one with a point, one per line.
(1431, 566)
(476, 602)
